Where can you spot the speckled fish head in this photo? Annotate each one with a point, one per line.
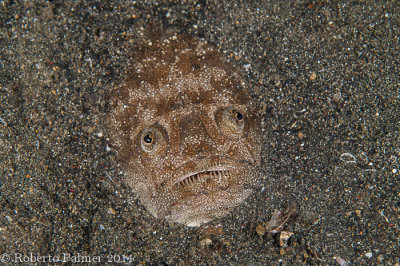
(187, 133)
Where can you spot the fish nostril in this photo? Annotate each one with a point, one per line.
(201, 150)
(201, 156)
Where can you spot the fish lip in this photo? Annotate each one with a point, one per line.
(195, 166)
(210, 167)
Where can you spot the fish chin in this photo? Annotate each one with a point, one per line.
(199, 209)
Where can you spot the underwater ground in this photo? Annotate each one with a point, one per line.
(326, 74)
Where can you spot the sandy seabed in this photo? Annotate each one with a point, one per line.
(326, 75)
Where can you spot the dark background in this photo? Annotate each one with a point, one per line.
(325, 73)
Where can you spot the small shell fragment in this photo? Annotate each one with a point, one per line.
(284, 238)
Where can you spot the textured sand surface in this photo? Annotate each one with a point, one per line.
(327, 75)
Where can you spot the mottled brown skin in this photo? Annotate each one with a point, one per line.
(187, 134)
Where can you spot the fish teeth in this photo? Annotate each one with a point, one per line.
(219, 176)
(203, 179)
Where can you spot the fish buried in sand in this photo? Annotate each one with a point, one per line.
(187, 134)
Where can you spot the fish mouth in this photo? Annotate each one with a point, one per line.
(219, 174)
(209, 190)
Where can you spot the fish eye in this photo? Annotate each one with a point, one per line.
(230, 121)
(148, 138)
(153, 140)
(238, 115)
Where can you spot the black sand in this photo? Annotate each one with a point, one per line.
(326, 73)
